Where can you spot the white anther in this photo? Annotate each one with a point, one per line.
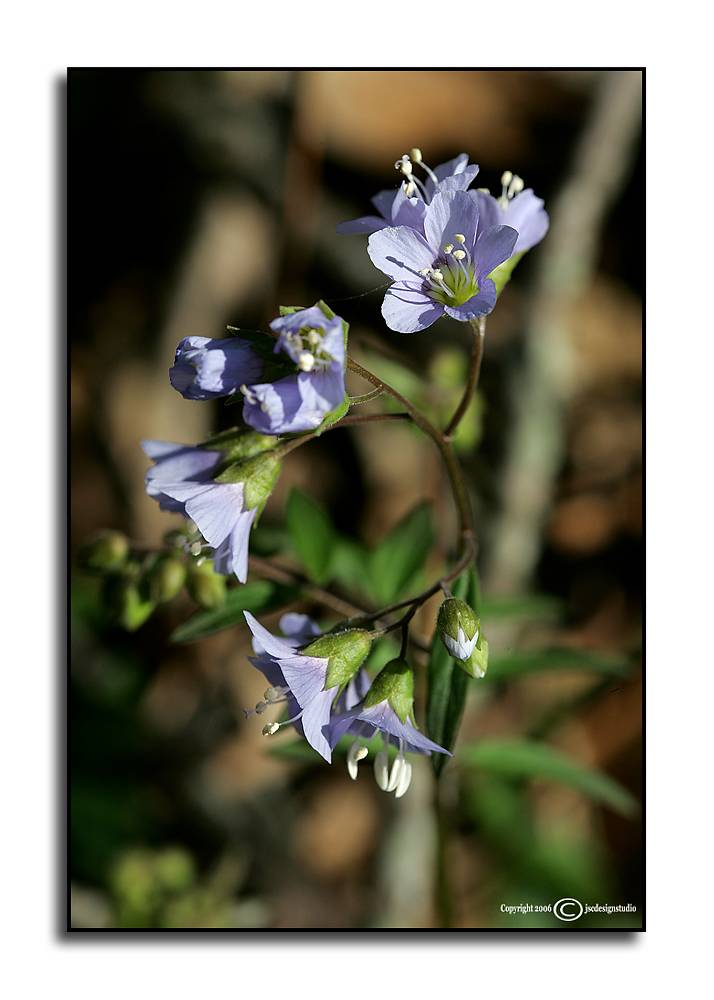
(248, 393)
(516, 186)
(437, 274)
(355, 754)
(274, 694)
(410, 189)
(396, 774)
(448, 248)
(195, 548)
(404, 165)
(425, 272)
(506, 178)
(415, 154)
(459, 254)
(306, 361)
(483, 190)
(200, 561)
(271, 728)
(313, 338)
(459, 238)
(260, 707)
(405, 781)
(381, 769)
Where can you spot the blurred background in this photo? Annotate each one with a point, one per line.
(204, 198)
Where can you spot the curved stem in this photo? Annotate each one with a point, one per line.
(442, 442)
(478, 327)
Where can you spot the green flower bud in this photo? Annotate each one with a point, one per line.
(175, 869)
(107, 551)
(126, 603)
(345, 652)
(258, 475)
(206, 587)
(458, 627)
(239, 444)
(165, 578)
(477, 663)
(394, 684)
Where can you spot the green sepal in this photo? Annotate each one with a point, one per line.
(126, 603)
(238, 443)
(394, 684)
(345, 653)
(501, 275)
(289, 310)
(477, 663)
(334, 415)
(258, 475)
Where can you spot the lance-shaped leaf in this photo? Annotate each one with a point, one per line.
(401, 554)
(259, 596)
(311, 533)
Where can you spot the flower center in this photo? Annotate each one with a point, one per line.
(307, 345)
(452, 280)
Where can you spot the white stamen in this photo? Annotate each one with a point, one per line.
(396, 775)
(437, 275)
(248, 393)
(415, 154)
(404, 166)
(483, 190)
(195, 548)
(274, 694)
(355, 754)
(405, 781)
(459, 238)
(459, 254)
(448, 248)
(381, 769)
(306, 361)
(271, 728)
(516, 186)
(260, 707)
(506, 178)
(410, 189)
(313, 338)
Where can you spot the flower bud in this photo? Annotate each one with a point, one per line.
(458, 627)
(477, 663)
(206, 587)
(345, 653)
(166, 578)
(394, 684)
(258, 475)
(107, 551)
(125, 602)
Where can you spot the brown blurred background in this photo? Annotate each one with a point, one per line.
(200, 199)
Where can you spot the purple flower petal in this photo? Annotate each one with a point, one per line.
(490, 213)
(305, 675)
(449, 213)
(215, 509)
(384, 200)
(407, 309)
(408, 211)
(384, 718)
(400, 252)
(460, 181)
(365, 224)
(492, 248)
(527, 215)
(480, 305)
(207, 368)
(232, 555)
(298, 628)
(315, 721)
(271, 644)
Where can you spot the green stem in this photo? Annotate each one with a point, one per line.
(478, 327)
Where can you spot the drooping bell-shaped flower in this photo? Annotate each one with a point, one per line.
(387, 708)
(458, 627)
(310, 679)
(207, 368)
(444, 271)
(223, 508)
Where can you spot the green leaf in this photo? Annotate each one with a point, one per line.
(262, 595)
(447, 682)
(528, 759)
(502, 274)
(311, 533)
(522, 663)
(349, 564)
(401, 554)
(334, 415)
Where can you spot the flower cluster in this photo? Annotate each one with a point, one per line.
(448, 251)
